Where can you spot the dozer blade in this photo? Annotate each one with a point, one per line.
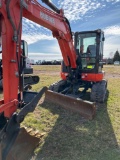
(85, 108)
(19, 147)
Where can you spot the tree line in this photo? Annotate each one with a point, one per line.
(116, 56)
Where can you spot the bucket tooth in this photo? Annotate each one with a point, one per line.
(85, 108)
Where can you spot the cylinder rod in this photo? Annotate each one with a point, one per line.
(51, 5)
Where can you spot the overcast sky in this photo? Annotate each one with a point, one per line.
(83, 15)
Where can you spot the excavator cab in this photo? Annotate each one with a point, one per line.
(89, 49)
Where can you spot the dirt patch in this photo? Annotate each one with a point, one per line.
(46, 72)
(112, 75)
(112, 71)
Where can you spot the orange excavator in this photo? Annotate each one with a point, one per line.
(79, 69)
(88, 74)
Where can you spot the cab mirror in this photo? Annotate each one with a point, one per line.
(103, 39)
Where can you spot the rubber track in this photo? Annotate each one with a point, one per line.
(56, 86)
(98, 91)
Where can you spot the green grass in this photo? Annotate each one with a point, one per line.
(67, 136)
(46, 68)
(45, 80)
(70, 137)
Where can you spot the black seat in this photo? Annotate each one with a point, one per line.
(92, 50)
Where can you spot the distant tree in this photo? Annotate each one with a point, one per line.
(116, 56)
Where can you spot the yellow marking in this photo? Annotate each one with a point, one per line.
(90, 67)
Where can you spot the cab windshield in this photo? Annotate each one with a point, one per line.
(86, 46)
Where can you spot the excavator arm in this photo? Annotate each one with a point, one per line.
(11, 14)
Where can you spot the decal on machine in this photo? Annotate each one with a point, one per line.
(47, 18)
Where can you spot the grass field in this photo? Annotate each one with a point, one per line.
(66, 135)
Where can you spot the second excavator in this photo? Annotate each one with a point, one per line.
(88, 74)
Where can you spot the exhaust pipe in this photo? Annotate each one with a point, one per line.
(51, 5)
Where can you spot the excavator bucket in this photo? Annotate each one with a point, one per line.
(15, 142)
(85, 108)
(20, 147)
